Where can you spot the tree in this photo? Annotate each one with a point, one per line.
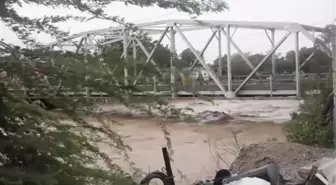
(319, 63)
(187, 58)
(266, 68)
(161, 55)
(284, 66)
(38, 146)
(309, 125)
(238, 65)
(224, 64)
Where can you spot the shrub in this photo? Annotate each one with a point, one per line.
(307, 126)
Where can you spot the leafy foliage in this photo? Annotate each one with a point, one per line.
(43, 147)
(95, 8)
(308, 126)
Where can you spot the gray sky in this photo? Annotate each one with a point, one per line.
(311, 12)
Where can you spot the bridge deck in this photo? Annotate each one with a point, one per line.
(212, 89)
(255, 87)
(277, 85)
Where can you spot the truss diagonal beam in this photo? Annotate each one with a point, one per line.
(150, 56)
(204, 49)
(262, 62)
(313, 39)
(79, 45)
(110, 41)
(214, 32)
(234, 32)
(268, 36)
(306, 61)
(247, 61)
(201, 60)
(143, 48)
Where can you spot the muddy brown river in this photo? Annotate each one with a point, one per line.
(198, 150)
(201, 149)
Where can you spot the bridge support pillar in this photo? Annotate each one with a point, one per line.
(297, 65)
(134, 57)
(172, 59)
(125, 52)
(219, 52)
(274, 68)
(228, 57)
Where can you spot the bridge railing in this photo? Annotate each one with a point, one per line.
(266, 83)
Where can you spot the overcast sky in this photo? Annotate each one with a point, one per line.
(311, 12)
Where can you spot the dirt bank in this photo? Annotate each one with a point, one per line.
(290, 157)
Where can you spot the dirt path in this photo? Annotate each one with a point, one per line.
(195, 147)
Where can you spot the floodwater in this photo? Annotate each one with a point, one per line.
(199, 150)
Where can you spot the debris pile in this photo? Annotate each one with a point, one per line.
(250, 181)
(208, 117)
(204, 117)
(290, 157)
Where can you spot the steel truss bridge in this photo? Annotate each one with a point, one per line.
(220, 84)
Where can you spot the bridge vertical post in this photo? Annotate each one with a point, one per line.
(85, 48)
(154, 85)
(271, 85)
(297, 64)
(172, 58)
(87, 92)
(273, 55)
(134, 57)
(228, 57)
(333, 43)
(219, 52)
(125, 54)
(85, 52)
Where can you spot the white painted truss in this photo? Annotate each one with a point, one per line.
(97, 39)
